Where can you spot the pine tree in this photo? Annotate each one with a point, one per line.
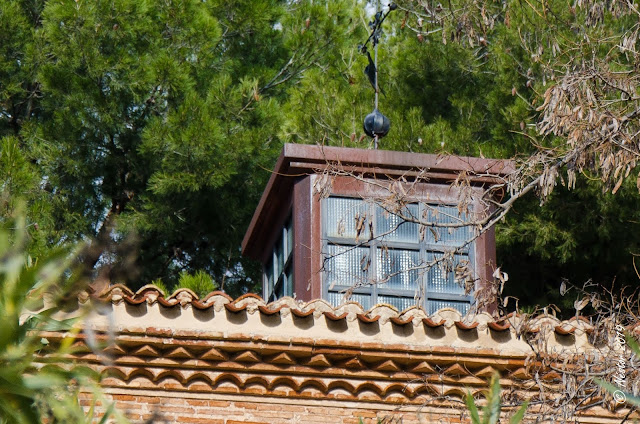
(148, 126)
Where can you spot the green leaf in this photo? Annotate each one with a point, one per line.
(628, 397)
(44, 381)
(473, 410)
(107, 414)
(633, 343)
(491, 411)
(519, 415)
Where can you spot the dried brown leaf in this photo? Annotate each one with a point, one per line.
(581, 304)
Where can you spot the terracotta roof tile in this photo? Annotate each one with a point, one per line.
(464, 326)
(231, 307)
(430, 323)
(563, 331)
(167, 303)
(400, 321)
(134, 301)
(334, 317)
(302, 314)
(446, 318)
(367, 319)
(200, 305)
(268, 311)
(499, 325)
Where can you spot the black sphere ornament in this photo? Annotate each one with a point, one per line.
(376, 124)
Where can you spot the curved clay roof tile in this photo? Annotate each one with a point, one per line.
(399, 321)
(367, 319)
(499, 325)
(181, 292)
(248, 296)
(268, 311)
(217, 293)
(432, 324)
(463, 326)
(201, 305)
(231, 307)
(116, 293)
(301, 313)
(167, 303)
(334, 317)
(564, 331)
(134, 301)
(379, 313)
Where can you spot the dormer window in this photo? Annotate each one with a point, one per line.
(278, 269)
(380, 257)
(319, 232)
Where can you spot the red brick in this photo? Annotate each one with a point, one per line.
(195, 402)
(123, 397)
(220, 403)
(269, 407)
(171, 408)
(293, 408)
(245, 405)
(275, 414)
(364, 414)
(244, 422)
(199, 420)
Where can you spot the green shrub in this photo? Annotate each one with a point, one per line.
(35, 388)
(200, 283)
(491, 411)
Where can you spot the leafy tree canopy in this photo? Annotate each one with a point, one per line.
(150, 127)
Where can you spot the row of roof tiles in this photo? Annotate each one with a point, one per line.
(434, 384)
(382, 313)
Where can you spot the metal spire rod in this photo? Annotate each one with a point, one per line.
(376, 125)
(375, 63)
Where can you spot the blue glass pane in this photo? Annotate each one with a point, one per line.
(288, 291)
(347, 265)
(289, 231)
(398, 269)
(346, 218)
(435, 305)
(400, 303)
(441, 277)
(391, 227)
(268, 273)
(449, 236)
(279, 251)
(336, 299)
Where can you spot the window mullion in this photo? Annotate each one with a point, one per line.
(373, 276)
(424, 277)
(405, 249)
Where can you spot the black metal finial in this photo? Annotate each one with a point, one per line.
(376, 125)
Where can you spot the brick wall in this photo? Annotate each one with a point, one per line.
(218, 360)
(141, 406)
